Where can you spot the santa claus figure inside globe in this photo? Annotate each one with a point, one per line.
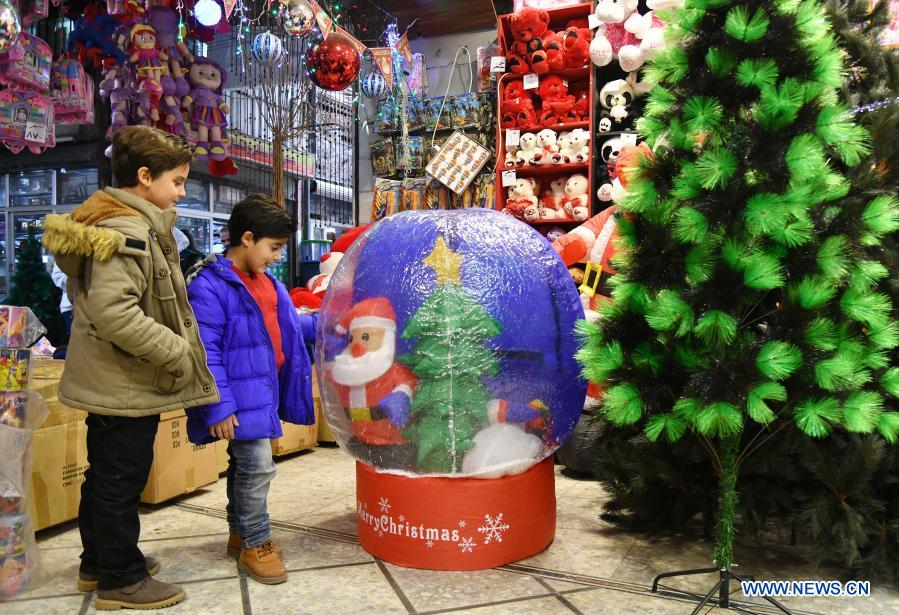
(374, 389)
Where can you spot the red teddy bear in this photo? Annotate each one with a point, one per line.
(518, 107)
(557, 102)
(529, 26)
(576, 43)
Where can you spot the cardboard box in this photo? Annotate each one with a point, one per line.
(60, 414)
(221, 456)
(179, 467)
(324, 430)
(57, 471)
(297, 437)
(45, 375)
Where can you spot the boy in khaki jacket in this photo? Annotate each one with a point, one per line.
(134, 352)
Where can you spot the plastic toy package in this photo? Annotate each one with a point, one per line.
(19, 327)
(19, 555)
(446, 346)
(383, 158)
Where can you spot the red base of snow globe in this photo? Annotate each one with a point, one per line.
(439, 523)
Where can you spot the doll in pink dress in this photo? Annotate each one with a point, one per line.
(148, 63)
(207, 108)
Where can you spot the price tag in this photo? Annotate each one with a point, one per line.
(36, 132)
(629, 138)
(513, 137)
(531, 81)
(592, 21)
(565, 82)
(509, 178)
(497, 64)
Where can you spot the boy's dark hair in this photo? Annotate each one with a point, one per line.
(134, 147)
(263, 217)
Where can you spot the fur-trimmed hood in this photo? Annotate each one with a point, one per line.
(102, 226)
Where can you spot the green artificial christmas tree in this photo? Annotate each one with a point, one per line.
(31, 286)
(747, 303)
(840, 495)
(450, 361)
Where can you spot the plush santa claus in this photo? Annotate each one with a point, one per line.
(375, 390)
(318, 284)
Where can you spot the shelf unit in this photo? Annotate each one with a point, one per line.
(578, 79)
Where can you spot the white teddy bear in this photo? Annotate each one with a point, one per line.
(547, 147)
(527, 149)
(580, 145)
(564, 143)
(576, 202)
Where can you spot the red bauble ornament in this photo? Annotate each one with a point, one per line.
(334, 63)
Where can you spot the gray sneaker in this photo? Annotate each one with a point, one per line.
(87, 582)
(146, 594)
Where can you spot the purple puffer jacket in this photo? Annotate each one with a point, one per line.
(240, 356)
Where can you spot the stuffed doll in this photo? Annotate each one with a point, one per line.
(576, 42)
(554, 233)
(615, 97)
(576, 202)
(551, 55)
(147, 61)
(564, 143)
(611, 34)
(552, 196)
(518, 107)
(546, 147)
(521, 196)
(527, 149)
(165, 21)
(525, 25)
(208, 109)
(580, 145)
(555, 99)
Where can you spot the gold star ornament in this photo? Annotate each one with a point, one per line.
(444, 262)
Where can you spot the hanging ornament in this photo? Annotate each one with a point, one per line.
(374, 85)
(333, 63)
(208, 12)
(10, 26)
(267, 49)
(297, 17)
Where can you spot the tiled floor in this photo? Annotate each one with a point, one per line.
(590, 568)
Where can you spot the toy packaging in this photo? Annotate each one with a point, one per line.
(13, 409)
(383, 158)
(458, 162)
(27, 64)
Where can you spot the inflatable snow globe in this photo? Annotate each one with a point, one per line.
(446, 366)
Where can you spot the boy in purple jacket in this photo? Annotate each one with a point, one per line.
(256, 350)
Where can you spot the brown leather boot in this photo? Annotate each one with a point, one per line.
(87, 582)
(234, 546)
(262, 564)
(147, 593)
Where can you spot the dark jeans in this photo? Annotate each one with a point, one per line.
(120, 453)
(67, 319)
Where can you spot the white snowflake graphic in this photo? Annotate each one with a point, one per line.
(467, 545)
(380, 533)
(430, 543)
(493, 528)
(384, 503)
(461, 523)
(402, 518)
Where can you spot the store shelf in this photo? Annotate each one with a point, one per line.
(550, 169)
(552, 222)
(571, 74)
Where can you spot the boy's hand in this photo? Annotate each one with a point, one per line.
(225, 429)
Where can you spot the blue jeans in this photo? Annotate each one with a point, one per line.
(250, 470)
